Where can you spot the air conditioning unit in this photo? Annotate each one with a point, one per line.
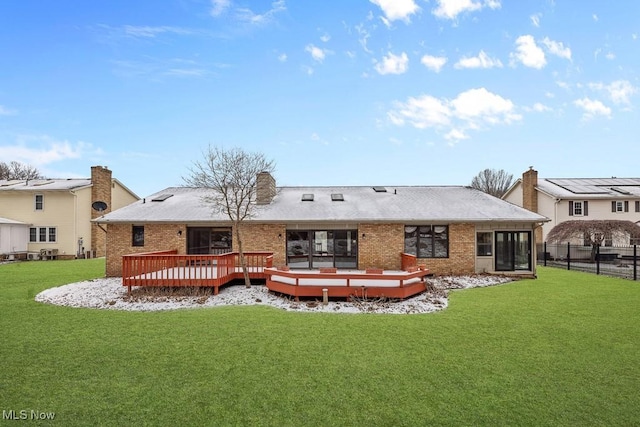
(33, 256)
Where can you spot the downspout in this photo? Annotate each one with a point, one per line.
(75, 220)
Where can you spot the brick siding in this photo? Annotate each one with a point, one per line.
(380, 247)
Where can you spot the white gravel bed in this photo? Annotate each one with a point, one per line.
(108, 293)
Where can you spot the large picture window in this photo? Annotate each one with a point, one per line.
(427, 241)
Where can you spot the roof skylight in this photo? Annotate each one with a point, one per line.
(337, 197)
(380, 189)
(307, 197)
(161, 197)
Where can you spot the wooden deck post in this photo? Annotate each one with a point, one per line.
(325, 296)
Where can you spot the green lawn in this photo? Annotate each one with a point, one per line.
(560, 350)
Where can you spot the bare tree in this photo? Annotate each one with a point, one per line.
(17, 170)
(491, 181)
(594, 232)
(232, 177)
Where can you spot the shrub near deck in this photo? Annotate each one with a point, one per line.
(561, 350)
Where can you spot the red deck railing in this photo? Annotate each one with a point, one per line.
(167, 268)
(368, 284)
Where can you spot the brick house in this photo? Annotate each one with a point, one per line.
(57, 213)
(451, 229)
(563, 199)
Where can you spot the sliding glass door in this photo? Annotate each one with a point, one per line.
(322, 248)
(513, 250)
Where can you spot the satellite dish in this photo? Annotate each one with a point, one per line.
(99, 206)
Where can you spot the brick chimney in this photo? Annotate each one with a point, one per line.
(100, 192)
(265, 188)
(529, 193)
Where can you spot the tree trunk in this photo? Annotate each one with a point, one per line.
(243, 261)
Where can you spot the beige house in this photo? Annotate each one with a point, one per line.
(57, 214)
(450, 229)
(563, 199)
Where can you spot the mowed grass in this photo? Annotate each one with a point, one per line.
(560, 350)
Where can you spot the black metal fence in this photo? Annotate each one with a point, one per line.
(618, 261)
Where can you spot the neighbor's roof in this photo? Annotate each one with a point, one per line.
(44, 184)
(360, 204)
(11, 221)
(592, 188)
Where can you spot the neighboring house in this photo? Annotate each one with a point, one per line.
(563, 199)
(14, 236)
(453, 230)
(58, 212)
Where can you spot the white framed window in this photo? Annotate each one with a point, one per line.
(577, 208)
(39, 202)
(43, 234)
(620, 206)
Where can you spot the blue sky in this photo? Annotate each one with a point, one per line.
(359, 92)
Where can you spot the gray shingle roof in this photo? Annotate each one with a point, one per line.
(361, 204)
(44, 184)
(606, 188)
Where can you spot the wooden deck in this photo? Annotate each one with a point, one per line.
(169, 269)
(373, 283)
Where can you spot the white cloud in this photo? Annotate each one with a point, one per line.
(528, 53)
(42, 150)
(317, 53)
(592, 108)
(393, 64)
(434, 63)
(557, 48)
(249, 16)
(535, 19)
(595, 17)
(282, 57)
(4, 111)
(481, 61)
(450, 9)
(540, 108)
(619, 91)
(218, 7)
(325, 38)
(455, 135)
(480, 105)
(152, 32)
(474, 109)
(364, 37)
(396, 9)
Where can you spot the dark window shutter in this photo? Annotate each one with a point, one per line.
(585, 208)
(637, 206)
(626, 206)
(613, 206)
(570, 208)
